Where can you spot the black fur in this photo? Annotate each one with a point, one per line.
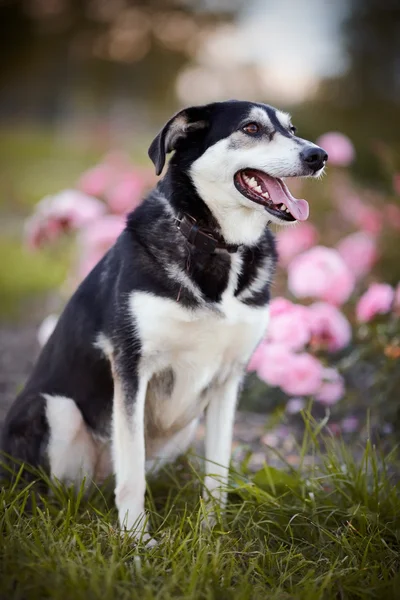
(70, 364)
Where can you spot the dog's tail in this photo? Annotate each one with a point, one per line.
(24, 439)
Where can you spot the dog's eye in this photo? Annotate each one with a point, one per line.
(292, 129)
(251, 128)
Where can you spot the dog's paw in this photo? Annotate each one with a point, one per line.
(210, 515)
(208, 522)
(137, 537)
(148, 541)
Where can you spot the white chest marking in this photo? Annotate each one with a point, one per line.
(200, 346)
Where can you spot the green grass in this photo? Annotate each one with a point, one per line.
(25, 274)
(35, 163)
(330, 533)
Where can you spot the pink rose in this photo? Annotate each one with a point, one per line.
(378, 299)
(96, 239)
(359, 252)
(295, 240)
(339, 148)
(272, 366)
(279, 306)
(295, 405)
(303, 375)
(332, 388)
(95, 181)
(256, 357)
(102, 233)
(126, 194)
(67, 211)
(289, 326)
(362, 215)
(320, 273)
(329, 327)
(350, 424)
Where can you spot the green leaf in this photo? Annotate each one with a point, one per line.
(269, 478)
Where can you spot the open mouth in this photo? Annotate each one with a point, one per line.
(272, 193)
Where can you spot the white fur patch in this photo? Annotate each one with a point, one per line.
(284, 118)
(104, 344)
(71, 449)
(201, 347)
(241, 220)
(264, 275)
(46, 328)
(129, 454)
(179, 275)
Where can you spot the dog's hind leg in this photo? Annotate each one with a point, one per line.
(71, 449)
(24, 438)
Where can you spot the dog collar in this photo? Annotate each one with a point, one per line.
(202, 239)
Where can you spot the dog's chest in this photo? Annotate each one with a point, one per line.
(188, 353)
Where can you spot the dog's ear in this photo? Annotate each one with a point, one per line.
(179, 126)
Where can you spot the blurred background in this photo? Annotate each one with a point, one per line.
(86, 79)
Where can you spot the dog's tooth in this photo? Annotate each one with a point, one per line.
(252, 182)
(282, 207)
(266, 195)
(258, 189)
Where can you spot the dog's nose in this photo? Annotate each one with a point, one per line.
(314, 157)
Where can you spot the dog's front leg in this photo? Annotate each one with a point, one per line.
(219, 431)
(129, 449)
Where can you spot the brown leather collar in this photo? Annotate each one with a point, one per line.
(202, 239)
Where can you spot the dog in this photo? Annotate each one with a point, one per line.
(163, 327)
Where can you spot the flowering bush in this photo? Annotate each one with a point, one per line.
(334, 330)
(95, 211)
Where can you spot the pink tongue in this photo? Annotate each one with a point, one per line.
(280, 194)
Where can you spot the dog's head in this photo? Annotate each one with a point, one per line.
(236, 154)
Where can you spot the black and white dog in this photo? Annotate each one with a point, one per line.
(163, 327)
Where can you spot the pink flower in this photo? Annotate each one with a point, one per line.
(96, 239)
(279, 306)
(303, 375)
(329, 327)
(320, 273)
(67, 211)
(272, 366)
(359, 252)
(332, 388)
(378, 299)
(392, 214)
(369, 219)
(95, 181)
(295, 240)
(362, 215)
(295, 405)
(126, 194)
(288, 325)
(339, 148)
(350, 424)
(257, 357)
